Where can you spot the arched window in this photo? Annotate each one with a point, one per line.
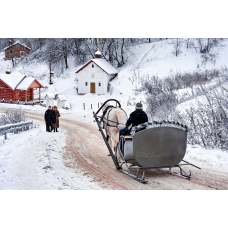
(92, 66)
(86, 83)
(99, 84)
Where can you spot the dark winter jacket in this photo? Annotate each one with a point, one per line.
(55, 117)
(137, 117)
(48, 115)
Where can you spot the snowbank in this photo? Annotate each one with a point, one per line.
(206, 158)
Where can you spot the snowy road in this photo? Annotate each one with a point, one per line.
(86, 155)
(34, 160)
(77, 158)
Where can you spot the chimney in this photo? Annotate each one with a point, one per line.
(8, 70)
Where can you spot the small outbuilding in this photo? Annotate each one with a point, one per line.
(50, 99)
(61, 101)
(16, 50)
(95, 75)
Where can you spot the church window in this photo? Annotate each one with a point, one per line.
(86, 83)
(92, 66)
(99, 84)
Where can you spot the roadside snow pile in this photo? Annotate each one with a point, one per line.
(206, 158)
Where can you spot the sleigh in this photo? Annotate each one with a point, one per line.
(152, 145)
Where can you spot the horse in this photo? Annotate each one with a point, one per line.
(113, 116)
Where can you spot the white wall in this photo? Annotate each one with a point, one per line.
(49, 102)
(86, 75)
(60, 104)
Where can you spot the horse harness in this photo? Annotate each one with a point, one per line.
(108, 110)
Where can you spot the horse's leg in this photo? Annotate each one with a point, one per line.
(118, 155)
(115, 139)
(109, 139)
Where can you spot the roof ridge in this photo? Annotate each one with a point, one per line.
(96, 61)
(17, 42)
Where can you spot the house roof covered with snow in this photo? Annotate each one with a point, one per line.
(12, 80)
(17, 43)
(61, 97)
(50, 95)
(103, 64)
(24, 85)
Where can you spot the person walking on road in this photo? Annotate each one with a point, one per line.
(47, 117)
(55, 119)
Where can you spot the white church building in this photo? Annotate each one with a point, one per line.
(94, 76)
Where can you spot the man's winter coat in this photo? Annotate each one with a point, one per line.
(48, 115)
(137, 117)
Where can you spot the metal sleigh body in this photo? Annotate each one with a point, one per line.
(151, 148)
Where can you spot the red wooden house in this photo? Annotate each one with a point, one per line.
(16, 86)
(16, 50)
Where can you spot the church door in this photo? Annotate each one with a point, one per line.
(92, 87)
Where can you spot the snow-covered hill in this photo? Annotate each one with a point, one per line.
(145, 60)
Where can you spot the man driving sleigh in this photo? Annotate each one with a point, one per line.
(137, 117)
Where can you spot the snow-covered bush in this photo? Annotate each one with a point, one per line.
(161, 106)
(208, 120)
(190, 79)
(160, 101)
(11, 116)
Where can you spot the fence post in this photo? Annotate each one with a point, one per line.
(91, 106)
(6, 135)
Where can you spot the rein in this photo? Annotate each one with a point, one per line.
(105, 111)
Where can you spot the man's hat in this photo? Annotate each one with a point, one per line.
(139, 106)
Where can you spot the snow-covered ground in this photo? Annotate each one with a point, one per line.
(45, 149)
(34, 160)
(206, 158)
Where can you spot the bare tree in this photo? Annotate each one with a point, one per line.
(177, 46)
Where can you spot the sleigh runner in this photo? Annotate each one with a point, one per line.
(151, 145)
